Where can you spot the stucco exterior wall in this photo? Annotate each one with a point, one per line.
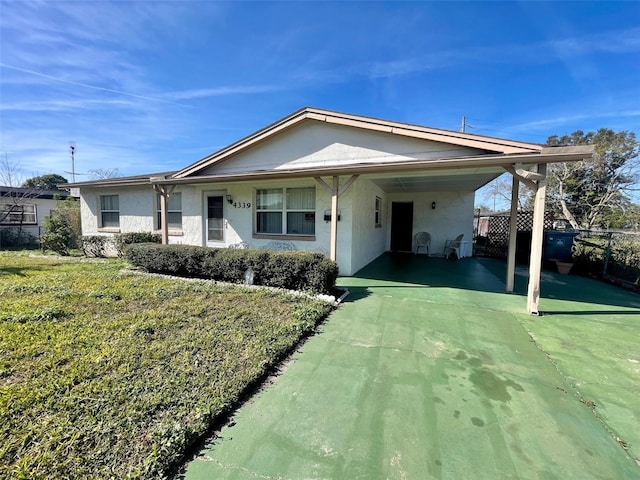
(239, 225)
(369, 240)
(359, 240)
(317, 144)
(452, 216)
(137, 209)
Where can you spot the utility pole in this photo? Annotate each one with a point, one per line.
(463, 126)
(72, 149)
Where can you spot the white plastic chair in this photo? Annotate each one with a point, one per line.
(453, 246)
(423, 239)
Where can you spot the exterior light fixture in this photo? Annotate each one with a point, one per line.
(433, 205)
(229, 199)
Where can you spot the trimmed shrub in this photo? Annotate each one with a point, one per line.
(94, 245)
(304, 271)
(59, 235)
(122, 240)
(226, 265)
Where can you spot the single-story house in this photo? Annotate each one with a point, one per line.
(349, 186)
(25, 209)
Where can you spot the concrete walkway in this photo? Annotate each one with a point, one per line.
(436, 375)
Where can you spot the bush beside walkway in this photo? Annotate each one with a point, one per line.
(304, 271)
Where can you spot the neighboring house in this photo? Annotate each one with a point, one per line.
(349, 186)
(24, 209)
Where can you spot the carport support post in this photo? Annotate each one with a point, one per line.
(535, 262)
(513, 232)
(164, 226)
(334, 219)
(165, 192)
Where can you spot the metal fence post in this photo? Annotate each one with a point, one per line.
(607, 255)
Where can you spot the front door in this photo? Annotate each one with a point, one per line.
(215, 218)
(401, 226)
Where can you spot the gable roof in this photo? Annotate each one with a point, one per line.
(491, 152)
(488, 144)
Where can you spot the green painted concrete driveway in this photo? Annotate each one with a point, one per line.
(437, 374)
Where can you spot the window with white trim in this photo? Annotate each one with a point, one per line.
(109, 211)
(174, 212)
(286, 211)
(378, 212)
(18, 214)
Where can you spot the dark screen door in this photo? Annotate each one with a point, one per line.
(401, 226)
(215, 218)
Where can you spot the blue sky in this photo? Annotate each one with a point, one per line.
(148, 87)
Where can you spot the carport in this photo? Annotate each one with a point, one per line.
(468, 174)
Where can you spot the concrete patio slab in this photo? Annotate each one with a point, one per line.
(437, 375)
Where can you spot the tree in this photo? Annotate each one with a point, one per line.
(45, 182)
(14, 199)
(104, 173)
(62, 228)
(499, 192)
(590, 192)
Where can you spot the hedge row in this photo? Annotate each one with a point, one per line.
(305, 271)
(99, 245)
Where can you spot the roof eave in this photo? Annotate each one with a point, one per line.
(551, 155)
(120, 181)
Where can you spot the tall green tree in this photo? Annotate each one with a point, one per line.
(593, 192)
(45, 182)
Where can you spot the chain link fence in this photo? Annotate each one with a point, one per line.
(611, 255)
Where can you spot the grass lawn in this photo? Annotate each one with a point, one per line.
(106, 373)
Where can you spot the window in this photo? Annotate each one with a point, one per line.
(109, 211)
(18, 214)
(289, 211)
(174, 212)
(378, 212)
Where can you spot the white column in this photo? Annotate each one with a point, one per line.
(334, 219)
(535, 262)
(513, 232)
(164, 226)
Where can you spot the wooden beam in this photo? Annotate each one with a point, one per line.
(324, 185)
(529, 183)
(513, 232)
(347, 184)
(537, 234)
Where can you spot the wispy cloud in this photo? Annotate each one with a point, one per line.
(220, 91)
(614, 42)
(84, 85)
(65, 105)
(575, 119)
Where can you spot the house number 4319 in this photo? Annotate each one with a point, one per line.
(241, 205)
